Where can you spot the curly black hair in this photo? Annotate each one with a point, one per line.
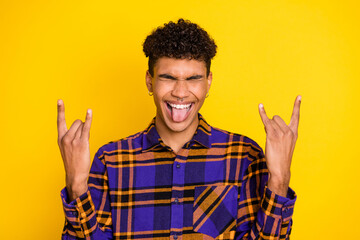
(179, 40)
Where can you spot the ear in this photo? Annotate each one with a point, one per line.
(148, 79)
(209, 79)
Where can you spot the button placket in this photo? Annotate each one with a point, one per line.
(178, 181)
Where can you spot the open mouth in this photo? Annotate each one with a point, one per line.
(179, 112)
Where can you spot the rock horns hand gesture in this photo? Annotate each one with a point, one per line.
(75, 151)
(279, 148)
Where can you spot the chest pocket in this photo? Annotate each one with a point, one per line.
(215, 210)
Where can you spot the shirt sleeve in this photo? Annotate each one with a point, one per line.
(262, 214)
(89, 215)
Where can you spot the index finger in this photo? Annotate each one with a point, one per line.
(294, 121)
(264, 117)
(61, 123)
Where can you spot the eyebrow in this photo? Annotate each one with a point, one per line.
(168, 76)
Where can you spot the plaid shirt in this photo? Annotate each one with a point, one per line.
(215, 187)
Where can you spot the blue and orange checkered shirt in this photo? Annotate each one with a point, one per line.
(215, 187)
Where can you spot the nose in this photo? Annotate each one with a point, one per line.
(180, 89)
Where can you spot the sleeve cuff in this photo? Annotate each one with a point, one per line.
(80, 211)
(278, 206)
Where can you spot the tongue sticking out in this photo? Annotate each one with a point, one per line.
(179, 115)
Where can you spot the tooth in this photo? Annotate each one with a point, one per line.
(179, 106)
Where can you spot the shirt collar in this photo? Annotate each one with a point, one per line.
(203, 132)
(151, 137)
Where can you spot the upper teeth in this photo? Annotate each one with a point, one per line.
(180, 106)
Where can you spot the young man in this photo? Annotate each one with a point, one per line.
(180, 178)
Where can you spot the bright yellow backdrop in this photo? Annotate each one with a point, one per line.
(89, 53)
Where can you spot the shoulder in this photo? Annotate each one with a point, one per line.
(243, 143)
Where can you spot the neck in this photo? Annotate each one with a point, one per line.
(175, 140)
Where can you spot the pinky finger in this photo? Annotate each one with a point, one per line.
(87, 125)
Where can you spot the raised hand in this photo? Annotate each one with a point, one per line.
(279, 148)
(75, 151)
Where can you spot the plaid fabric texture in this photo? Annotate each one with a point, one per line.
(215, 187)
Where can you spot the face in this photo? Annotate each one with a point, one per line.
(179, 87)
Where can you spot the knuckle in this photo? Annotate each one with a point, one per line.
(75, 142)
(272, 133)
(288, 132)
(270, 129)
(65, 140)
(280, 134)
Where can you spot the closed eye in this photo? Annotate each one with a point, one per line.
(195, 77)
(167, 76)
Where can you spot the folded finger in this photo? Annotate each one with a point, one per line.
(275, 126)
(74, 127)
(280, 122)
(79, 131)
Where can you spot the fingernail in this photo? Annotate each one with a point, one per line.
(299, 98)
(59, 102)
(89, 111)
(261, 105)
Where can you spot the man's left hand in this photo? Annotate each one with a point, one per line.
(279, 148)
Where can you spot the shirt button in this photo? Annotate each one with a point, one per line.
(176, 200)
(175, 236)
(286, 209)
(177, 165)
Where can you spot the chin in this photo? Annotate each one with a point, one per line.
(178, 127)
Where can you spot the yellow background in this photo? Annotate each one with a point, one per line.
(89, 53)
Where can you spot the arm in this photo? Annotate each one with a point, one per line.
(85, 198)
(265, 186)
(89, 215)
(263, 214)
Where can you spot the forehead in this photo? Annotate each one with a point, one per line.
(179, 67)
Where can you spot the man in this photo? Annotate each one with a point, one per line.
(180, 178)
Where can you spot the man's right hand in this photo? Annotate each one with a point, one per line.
(75, 151)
